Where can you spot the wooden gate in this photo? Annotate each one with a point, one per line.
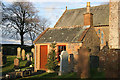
(43, 56)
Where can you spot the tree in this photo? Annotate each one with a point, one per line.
(52, 60)
(43, 24)
(21, 18)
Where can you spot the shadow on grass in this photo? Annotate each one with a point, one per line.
(46, 75)
(95, 74)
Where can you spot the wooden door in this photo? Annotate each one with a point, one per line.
(43, 56)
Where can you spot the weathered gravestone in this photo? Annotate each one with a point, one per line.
(71, 63)
(28, 57)
(83, 63)
(23, 54)
(1, 62)
(31, 58)
(18, 52)
(94, 62)
(16, 63)
(33, 50)
(63, 63)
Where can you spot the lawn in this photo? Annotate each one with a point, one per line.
(93, 73)
(50, 75)
(55, 75)
(8, 67)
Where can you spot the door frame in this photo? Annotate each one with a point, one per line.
(40, 56)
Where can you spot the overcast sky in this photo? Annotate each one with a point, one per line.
(53, 9)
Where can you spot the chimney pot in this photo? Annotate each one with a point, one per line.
(88, 7)
(88, 4)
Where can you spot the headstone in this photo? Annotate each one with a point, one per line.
(31, 58)
(63, 63)
(18, 52)
(83, 63)
(16, 62)
(28, 57)
(23, 54)
(33, 51)
(1, 62)
(71, 63)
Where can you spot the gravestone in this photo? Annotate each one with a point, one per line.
(31, 58)
(16, 62)
(18, 52)
(23, 54)
(63, 63)
(1, 62)
(33, 51)
(71, 63)
(83, 63)
(94, 62)
(28, 57)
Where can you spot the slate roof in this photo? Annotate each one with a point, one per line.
(75, 16)
(71, 34)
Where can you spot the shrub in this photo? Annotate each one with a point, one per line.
(52, 61)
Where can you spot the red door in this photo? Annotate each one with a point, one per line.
(43, 56)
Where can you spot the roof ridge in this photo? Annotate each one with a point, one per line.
(86, 7)
(60, 18)
(67, 27)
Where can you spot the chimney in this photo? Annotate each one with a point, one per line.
(88, 17)
(114, 24)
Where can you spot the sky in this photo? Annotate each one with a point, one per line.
(53, 9)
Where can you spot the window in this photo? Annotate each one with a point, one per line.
(60, 49)
(102, 34)
(99, 31)
(102, 41)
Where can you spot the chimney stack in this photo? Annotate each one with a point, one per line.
(88, 17)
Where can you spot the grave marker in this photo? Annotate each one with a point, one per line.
(28, 57)
(23, 54)
(63, 63)
(16, 62)
(18, 52)
(71, 63)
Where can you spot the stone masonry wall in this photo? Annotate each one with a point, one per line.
(114, 23)
(71, 48)
(92, 41)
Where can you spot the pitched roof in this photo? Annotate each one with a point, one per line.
(66, 34)
(75, 16)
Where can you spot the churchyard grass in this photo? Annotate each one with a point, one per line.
(8, 67)
(50, 75)
(94, 73)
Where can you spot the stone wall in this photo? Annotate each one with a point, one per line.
(91, 41)
(71, 48)
(109, 62)
(114, 23)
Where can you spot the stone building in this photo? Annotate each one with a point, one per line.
(90, 27)
(71, 32)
